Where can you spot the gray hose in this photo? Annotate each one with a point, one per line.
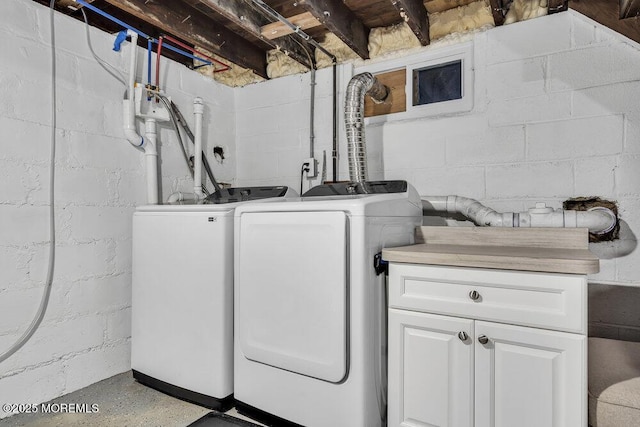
(359, 86)
(44, 302)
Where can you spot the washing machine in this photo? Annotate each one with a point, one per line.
(309, 307)
(182, 295)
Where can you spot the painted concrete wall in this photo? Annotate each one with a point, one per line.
(273, 123)
(100, 179)
(555, 116)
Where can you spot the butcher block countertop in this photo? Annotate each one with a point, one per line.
(551, 250)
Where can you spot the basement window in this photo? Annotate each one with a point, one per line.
(438, 83)
(442, 83)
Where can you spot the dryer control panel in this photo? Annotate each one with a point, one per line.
(353, 188)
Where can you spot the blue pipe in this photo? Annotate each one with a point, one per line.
(149, 49)
(140, 33)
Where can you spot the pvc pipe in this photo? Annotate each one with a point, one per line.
(128, 107)
(179, 196)
(151, 161)
(198, 111)
(598, 220)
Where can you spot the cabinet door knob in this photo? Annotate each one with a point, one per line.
(474, 295)
(463, 336)
(483, 339)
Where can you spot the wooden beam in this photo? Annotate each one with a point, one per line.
(555, 6)
(629, 8)
(415, 15)
(251, 20)
(278, 29)
(606, 12)
(498, 10)
(342, 22)
(172, 17)
(70, 4)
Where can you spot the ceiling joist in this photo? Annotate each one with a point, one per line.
(341, 21)
(555, 6)
(197, 30)
(498, 10)
(251, 20)
(415, 15)
(629, 8)
(303, 21)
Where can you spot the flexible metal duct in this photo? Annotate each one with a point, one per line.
(359, 86)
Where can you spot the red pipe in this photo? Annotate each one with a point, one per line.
(225, 67)
(158, 62)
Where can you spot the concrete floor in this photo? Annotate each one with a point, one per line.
(121, 402)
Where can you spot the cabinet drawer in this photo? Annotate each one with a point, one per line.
(550, 301)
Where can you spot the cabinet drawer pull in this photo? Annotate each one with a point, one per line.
(483, 339)
(474, 295)
(463, 336)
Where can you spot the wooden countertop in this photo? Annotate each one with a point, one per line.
(550, 250)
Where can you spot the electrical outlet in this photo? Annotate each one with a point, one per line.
(313, 167)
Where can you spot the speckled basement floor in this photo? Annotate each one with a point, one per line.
(122, 402)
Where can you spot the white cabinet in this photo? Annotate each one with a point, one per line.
(484, 348)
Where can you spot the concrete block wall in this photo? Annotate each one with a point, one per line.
(85, 334)
(555, 116)
(272, 128)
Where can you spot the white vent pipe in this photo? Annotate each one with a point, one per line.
(151, 160)
(128, 108)
(598, 220)
(359, 86)
(148, 143)
(198, 111)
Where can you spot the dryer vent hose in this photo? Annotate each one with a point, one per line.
(359, 86)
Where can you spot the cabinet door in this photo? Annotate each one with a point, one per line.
(430, 370)
(529, 377)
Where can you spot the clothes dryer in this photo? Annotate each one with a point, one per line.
(310, 311)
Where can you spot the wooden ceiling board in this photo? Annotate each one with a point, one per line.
(378, 13)
(435, 6)
(202, 23)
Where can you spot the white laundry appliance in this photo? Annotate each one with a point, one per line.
(310, 337)
(182, 295)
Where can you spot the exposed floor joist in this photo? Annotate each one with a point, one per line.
(555, 6)
(251, 20)
(197, 30)
(341, 21)
(498, 10)
(303, 21)
(629, 8)
(415, 15)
